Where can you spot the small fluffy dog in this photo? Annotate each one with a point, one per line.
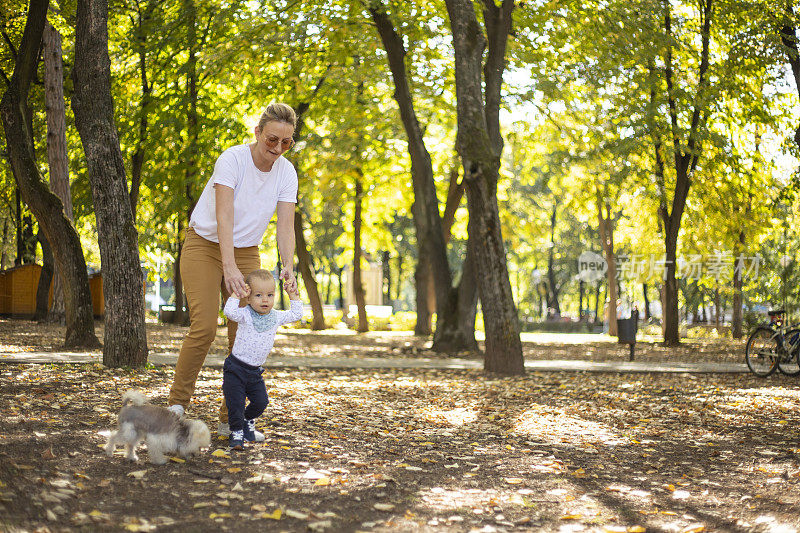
(162, 430)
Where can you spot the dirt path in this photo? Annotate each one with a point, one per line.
(26, 336)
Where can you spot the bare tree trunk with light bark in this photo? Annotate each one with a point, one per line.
(605, 224)
(56, 143)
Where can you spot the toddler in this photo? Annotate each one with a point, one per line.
(241, 377)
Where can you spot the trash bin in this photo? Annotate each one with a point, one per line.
(166, 313)
(626, 332)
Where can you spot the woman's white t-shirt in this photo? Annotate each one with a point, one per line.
(255, 196)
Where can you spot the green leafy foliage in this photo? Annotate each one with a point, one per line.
(585, 100)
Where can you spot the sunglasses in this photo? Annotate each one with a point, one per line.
(272, 141)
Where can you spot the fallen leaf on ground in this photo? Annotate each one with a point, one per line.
(383, 506)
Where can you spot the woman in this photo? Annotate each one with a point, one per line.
(251, 182)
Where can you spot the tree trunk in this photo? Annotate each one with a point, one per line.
(480, 146)
(4, 243)
(328, 276)
(46, 206)
(341, 288)
(647, 314)
(685, 162)
(56, 143)
(399, 284)
(671, 315)
(736, 321)
(45, 280)
(181, 316)
(56, 118)
(467, 301)
(278, 268)
(421, 276)
(387, 277)
(553, 307)
(304, 258)
(310, 282)
(28, 245)
(125, 341)
(605, 225)
(138, 156)
(433, 274)
(789, 40)
(358, 287)
(18, 201)
(190, 151)
(597, 300)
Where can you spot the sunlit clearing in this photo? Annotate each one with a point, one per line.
(454, 417)
(770, 525)
(554, 428)
(771, 391)
(449, 499)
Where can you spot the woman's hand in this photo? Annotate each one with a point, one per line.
(289, 281)
(234, 281)
(292, 290)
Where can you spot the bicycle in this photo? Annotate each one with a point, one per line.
(774, 347)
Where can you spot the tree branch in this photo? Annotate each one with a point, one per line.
(669, 75)
(27, 58)
(702, 82)
(10, 44)
(303, 107)
(789, 40)
(497, 20)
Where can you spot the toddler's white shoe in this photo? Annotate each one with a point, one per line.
(224, 430)
(177, 409)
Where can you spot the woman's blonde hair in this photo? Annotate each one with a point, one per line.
(278, 112)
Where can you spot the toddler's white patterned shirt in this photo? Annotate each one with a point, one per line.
(256, 334)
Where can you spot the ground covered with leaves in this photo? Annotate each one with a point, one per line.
(413, 450)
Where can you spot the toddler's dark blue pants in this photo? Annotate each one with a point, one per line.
(241, 382)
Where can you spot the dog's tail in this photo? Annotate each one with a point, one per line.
(133, 397)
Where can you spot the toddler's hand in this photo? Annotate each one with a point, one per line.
(291, 290)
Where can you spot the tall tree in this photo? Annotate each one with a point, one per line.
(431, 235)
(480, 146)
(685, 156)
(45, 205)
(304, 258)
(45, 279)
(58, 162)
(191, 146)
(788, 33)
(605, 225)
(125, 342)
(358, 284)
(140, 21)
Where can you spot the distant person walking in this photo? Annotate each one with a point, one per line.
(250, 183)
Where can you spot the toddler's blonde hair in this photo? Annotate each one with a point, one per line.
(259, 274)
